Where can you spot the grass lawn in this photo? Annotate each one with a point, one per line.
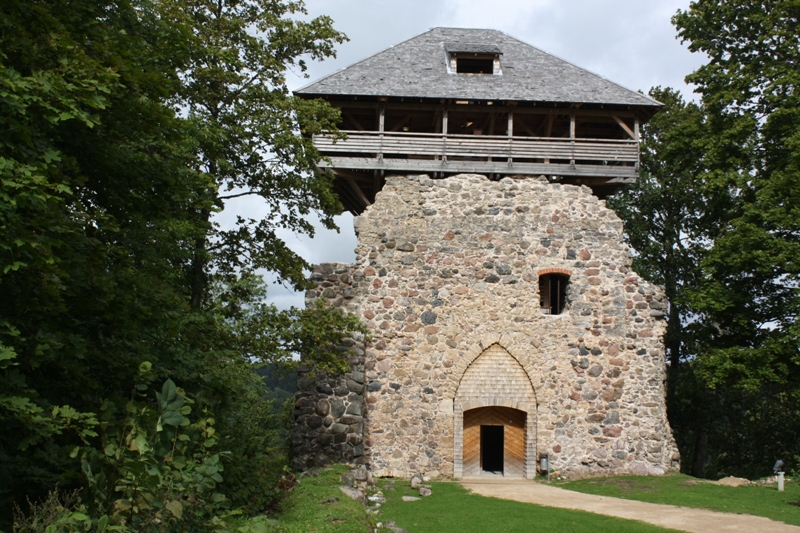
(684, 490)
(317, 504)
(452, 508)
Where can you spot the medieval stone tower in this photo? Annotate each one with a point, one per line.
(505, 320)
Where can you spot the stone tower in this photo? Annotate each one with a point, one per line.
(505, 320)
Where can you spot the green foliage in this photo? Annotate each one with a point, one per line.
(747, 300)
(247, 130)
(59, 512)
(672, 212)
(680, 204)
(16, 406)
(124, 126)
(752, 272)
(715, 219)
(157, 470)
(686, 491)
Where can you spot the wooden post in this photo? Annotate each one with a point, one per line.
(510, 134)
(572, 137)
(636, 138)
(444, 136)
(549, 132)
(631, 132)
(381, 121)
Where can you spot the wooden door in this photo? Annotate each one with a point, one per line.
(512, 423)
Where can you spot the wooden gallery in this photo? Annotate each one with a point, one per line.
(506, 325)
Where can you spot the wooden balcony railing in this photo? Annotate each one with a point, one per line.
(486, 153)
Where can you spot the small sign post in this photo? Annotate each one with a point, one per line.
(778, 469)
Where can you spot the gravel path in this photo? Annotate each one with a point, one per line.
(669, 516)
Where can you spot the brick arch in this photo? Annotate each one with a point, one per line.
(479, 348)
(494, 378)
(562, 271)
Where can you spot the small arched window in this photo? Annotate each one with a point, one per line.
(553, 291)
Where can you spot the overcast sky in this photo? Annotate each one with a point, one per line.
(630, 42)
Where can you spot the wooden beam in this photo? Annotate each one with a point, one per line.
(525, 127)
(401, 123)
(510, 132)
(353, 185)
(625, 127)
(608, 174)
(353, 119)
(571, 125)
(549, 133)
(522, 109)
(377, 182)
(362, 177)
(437, 121)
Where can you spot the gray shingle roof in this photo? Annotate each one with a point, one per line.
(417, 68)
(473, 48)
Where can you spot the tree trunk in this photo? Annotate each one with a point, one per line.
(197, 276)
(672, 344)
(700, 453)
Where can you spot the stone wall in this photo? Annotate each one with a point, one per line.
(329, 409)
(447, 269)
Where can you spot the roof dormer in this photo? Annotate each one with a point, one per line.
(472, 58)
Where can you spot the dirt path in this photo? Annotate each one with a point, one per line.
(669, 516)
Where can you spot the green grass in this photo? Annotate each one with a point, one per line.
(452, 508)
(691, 492)
(317, 504)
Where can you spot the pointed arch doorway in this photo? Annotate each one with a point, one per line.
(495, 418)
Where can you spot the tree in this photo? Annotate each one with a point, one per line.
(748, 298)
(246, 125)
(92, 224)
(671, 214)
(122, 126)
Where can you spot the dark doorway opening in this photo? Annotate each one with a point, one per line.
(492, 448)
(553, 293)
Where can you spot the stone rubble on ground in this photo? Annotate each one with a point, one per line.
(732, 481)
(377, 498)
(355, 494)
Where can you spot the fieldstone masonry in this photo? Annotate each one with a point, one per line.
(447, 281)
(329, 411)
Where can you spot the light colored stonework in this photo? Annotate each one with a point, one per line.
(447, 281)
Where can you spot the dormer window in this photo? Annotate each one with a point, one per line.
(473, 59)
(474, 64)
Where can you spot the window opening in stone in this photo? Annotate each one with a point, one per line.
(553, 293)
(492, 449)
(475, 65)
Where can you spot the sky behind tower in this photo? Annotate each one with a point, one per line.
(630, 42)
